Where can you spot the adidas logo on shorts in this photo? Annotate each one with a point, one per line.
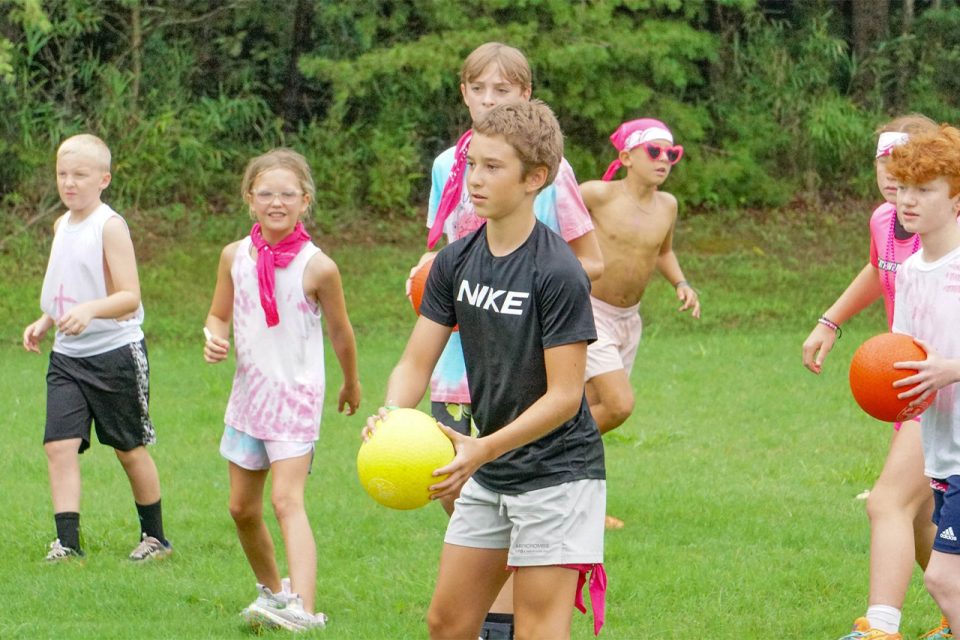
(948, 534)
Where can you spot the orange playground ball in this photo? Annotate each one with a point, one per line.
(872, 376)
(417, 282)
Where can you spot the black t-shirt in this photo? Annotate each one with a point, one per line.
(510, 308)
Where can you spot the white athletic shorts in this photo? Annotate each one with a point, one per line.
(254, 454)
(556, 525)
(618, 336)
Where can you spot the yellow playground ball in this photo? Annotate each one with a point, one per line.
(395, 463)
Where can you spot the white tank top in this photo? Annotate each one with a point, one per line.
(75, 274)
(279, 383)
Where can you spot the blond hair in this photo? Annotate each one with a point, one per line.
(927, 156)
(279, 158)
(510, 61)
(910, 124)
(531, 129)
(88, 146)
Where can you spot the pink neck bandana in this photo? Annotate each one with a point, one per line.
(270, 258)
(632, 134)
(452, 189)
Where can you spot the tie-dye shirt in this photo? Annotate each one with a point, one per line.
(559, 206)
(278, 387)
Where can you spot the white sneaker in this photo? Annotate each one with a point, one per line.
(282, 610)
(294, 618)
(256, 615)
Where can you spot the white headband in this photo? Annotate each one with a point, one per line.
(888, 140)
(640, 136)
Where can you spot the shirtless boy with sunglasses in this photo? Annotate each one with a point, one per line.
(634, 222)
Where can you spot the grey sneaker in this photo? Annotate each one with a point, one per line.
(282, 610)
(150, 549)
(60, 553)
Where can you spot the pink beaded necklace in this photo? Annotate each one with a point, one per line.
(890, 255)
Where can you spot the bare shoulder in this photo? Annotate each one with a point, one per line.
(116, 227)
(321, 279)
(322, 268)
(229, 252)
(667, 203)
(597, 193)
(116, 238)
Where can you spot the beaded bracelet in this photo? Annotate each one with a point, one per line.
(827, 322)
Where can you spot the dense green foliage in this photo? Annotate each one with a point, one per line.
(770, 103)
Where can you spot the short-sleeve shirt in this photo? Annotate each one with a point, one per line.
(510, 309)
(559, 206)
(928, 308)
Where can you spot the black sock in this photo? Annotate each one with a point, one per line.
(151, 520)
(68, 529)
(498, 626)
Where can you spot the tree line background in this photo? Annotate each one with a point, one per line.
(774, 101)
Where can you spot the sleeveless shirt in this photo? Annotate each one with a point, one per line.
(75, 274)
(278, 387)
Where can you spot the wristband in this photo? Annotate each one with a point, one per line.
(682, 283)
(827, 322)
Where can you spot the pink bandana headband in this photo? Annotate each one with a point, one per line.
(632, 134)
(888, 140)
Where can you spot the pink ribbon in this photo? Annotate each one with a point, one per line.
(598, 592)
(452, 189)
(270, 258)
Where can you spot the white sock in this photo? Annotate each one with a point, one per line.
(884, 617)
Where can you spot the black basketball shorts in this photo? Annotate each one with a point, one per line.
(109, 390)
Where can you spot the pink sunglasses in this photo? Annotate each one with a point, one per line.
(672, 154)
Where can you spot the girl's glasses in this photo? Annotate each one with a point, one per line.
(673, 154)
(267, 197)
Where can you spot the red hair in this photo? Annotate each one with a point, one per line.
(927, 156)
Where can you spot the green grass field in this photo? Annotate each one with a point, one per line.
(737, 476)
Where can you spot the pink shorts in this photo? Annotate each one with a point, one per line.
(618, 335)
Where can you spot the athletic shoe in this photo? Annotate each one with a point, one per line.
(940, 633)
(255, 614)
(296, 619)
(150, 549)
(862, 631)
(282, 610)
(60, 553)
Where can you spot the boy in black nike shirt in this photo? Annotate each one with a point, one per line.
(533, 484)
